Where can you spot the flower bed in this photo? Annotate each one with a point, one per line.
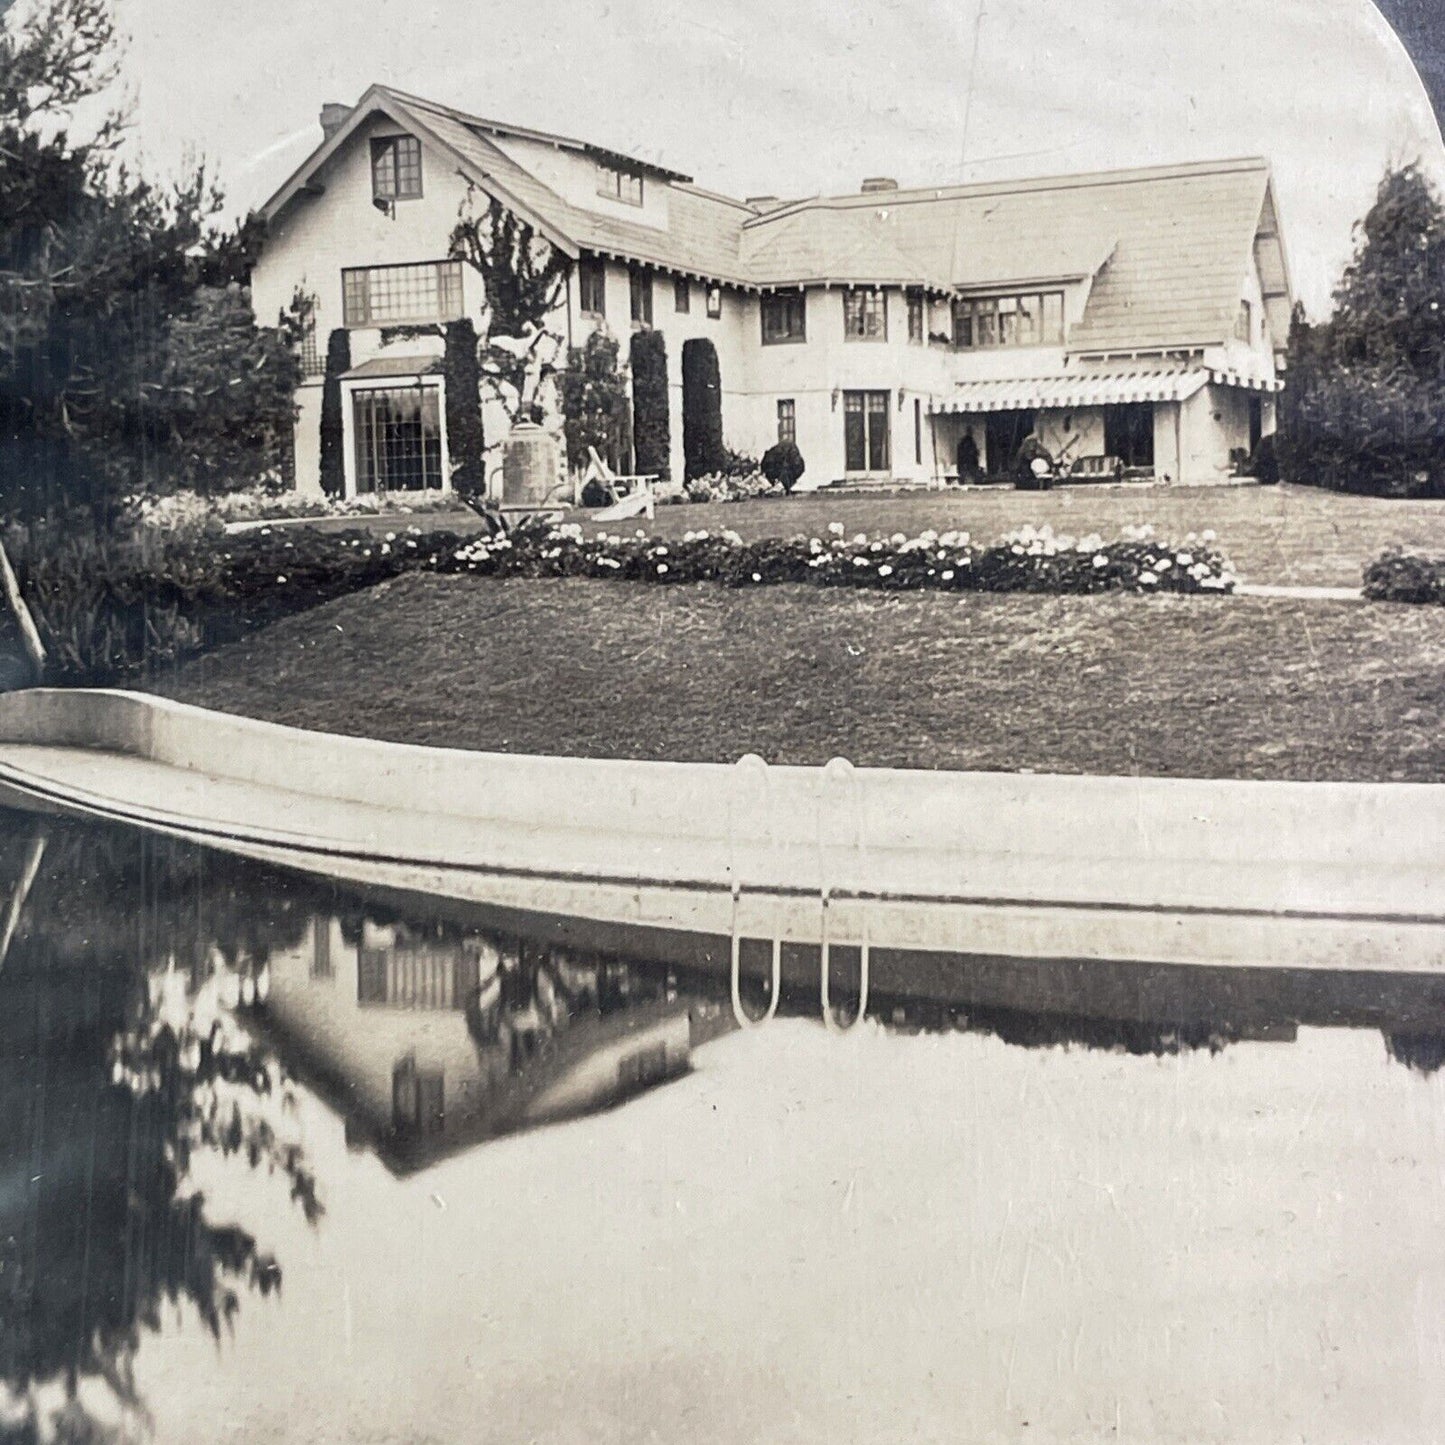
(1029, 560)
(1398, 576)
(114, 607)
(720, 487)
(190, 511)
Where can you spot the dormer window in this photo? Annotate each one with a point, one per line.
(619, 185)
(396, 168)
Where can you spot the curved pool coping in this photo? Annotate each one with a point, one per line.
(1014, 865)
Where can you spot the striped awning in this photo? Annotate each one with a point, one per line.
(1090, 388)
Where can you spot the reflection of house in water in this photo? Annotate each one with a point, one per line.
(428, 1038)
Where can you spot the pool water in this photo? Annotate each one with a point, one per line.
(286, 1161)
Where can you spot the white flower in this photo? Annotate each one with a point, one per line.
(1209, 535)
(885, 571)
(757, 576)
(835, 529)
(661, 568)
(280, 579)
(948, 576)
(1148, 579)
(1185, 559)
(1165, 563)
(1100, 560)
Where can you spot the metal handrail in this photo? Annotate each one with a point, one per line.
(842, 770)
(744, 1018)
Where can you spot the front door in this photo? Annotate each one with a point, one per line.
(866, 443)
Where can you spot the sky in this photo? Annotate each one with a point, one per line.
(797, 97)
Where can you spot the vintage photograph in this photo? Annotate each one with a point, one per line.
(722, 723)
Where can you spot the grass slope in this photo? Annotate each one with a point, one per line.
(1199, 687)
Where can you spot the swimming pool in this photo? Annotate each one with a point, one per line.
(286, 1159)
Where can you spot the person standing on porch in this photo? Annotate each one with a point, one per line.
(968, 469)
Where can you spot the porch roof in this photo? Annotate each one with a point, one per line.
(393, 366)
(1091, 388)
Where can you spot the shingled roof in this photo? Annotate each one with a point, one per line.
(1166, 247)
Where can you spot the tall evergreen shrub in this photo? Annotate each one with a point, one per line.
(466, 441)
(651, 427)
(702, 432)
(333, 446)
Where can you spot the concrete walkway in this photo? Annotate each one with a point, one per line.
(1299, 594)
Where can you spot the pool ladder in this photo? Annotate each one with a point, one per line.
(749, 806)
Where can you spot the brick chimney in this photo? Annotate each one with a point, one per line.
(873, 185)
(333, 117)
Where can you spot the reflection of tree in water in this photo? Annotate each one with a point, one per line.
(114, 1074)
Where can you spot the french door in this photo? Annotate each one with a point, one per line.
(866, 442)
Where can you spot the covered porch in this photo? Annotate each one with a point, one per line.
(1179, 422)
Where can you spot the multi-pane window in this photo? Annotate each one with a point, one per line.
(396, 168)
(398, 439)
(682, 295)
(784, 318)
(1033, 319)
(788, 420)
(641, 281)
(865, 431)
(915, 316)
(401, 295)
(865, 315)
(619, 185)
(592, 286)
(714, 302)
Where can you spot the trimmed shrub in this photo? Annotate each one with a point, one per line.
(651, 428)
(702, 431)
(1402, 577)
(465, 439)
(333, 432)
(783, 464)
(594, 404)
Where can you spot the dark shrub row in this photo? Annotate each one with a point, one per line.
(1402, 577)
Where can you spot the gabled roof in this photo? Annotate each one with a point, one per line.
(1167, 246)
(1165, 249)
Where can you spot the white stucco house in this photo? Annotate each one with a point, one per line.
(1139, 314)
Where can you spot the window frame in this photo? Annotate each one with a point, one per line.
(917, 320)
(789, 306)
(448, 290)
(714, 302)
(681, 296)
(1009, 320)
(639, 286)
(592, 270)
(787, 420)
(616, 183)
(873, 409)
(384, 146)
(871, 302)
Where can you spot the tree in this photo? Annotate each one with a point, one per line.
(594, 403)
(115, 1083)
(783, 464)
(1364, 408)
(465, 437)
(651, 426)
(702, 431)
(523, 276)
(126, 356)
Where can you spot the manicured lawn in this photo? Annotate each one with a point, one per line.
(1226, 687)
(1297, 535)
